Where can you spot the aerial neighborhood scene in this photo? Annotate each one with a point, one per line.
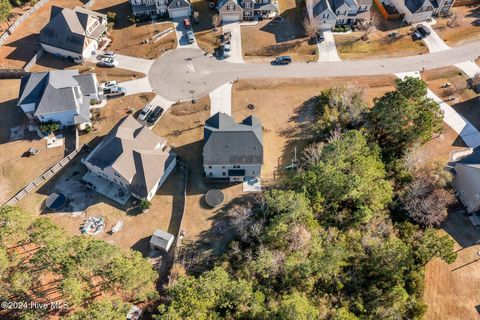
(240, 159)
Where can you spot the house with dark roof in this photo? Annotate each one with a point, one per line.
(466, 181)
(63, 95)
(74, 33)
(238, 10)
(174, 8)
(232, 151)
(415, 11)
(326, 14)
(133, 157)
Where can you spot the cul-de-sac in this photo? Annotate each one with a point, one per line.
(240, 159)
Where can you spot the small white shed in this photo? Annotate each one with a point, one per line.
(161, 240)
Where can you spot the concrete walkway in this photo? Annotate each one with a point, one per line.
(221, 99)
(236, 55)
(327, 50)
(469, 134)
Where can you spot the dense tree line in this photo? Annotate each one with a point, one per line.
(346, 237)
(81, 269)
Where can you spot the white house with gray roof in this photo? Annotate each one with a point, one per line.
(174, 8)
(232, 151)
(421, 10)
(326, 14)
(64, 96)
(238, 10)
(133, 157)
(74, 33)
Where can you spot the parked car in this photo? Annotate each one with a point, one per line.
(227, 49)
(109, 62)
(109, 54)
(186, 23)
(321, 37)
(145, 112)
(111, 83)
(423, 30)
(190, 36)
(283, 60)
(154, 115)
(416, 35)
(111, 92)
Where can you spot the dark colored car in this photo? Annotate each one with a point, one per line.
(423, 30)
(416, 35)
(156, 113)
(283, 60)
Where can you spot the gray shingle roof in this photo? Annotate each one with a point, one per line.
(229, 143)
(67, 28)
(414, 5)
(54, 91)
(136, 153)
(176, 4)
(319, 6)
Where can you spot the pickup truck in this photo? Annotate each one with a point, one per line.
(111, 92)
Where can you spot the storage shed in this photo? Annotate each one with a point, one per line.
(161, 240)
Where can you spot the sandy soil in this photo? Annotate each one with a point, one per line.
(463, 27)
(272, 38)
(16, 170)
(22, 45)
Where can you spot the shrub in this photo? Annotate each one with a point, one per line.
(50, 126)
(111, 17)
(145, 204)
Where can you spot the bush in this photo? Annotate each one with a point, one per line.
(50, 126)
(145, 204)
(111, 17)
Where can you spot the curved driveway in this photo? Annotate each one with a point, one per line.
(183, 73)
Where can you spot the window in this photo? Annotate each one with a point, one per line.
(209, 167)
(210, 174)
(223, 167)
(223, 173)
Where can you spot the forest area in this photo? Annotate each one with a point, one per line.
(345, 237)
(6, 7)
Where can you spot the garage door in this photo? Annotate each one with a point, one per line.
(231, 17)
(179, 13)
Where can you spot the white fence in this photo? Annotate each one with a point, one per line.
(27, 14)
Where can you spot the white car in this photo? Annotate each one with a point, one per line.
(109, 62)
(109, 54)
(111, 83)
(145, 112)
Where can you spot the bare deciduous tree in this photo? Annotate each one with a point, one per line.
(299, 238)
(312, 154)
(216, 22)
(370, 26)
(311, 27)
(427, 197)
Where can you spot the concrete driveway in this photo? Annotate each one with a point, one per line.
(134, 64)
(136, 86)
(221, 99)
(236, 55)
(470, 68)
(433, 41)
(327, 50)
(180, 32)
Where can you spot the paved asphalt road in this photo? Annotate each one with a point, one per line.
(184, 72)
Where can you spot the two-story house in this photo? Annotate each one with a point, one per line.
(326, 14)
(233, 10)
(415, 11)
(133, 157)
(63, 96)
(174, 8)
(74, 33)
(232, 151)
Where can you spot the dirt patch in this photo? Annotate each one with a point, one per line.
(463, 26)
(272, 38)
(23, 44)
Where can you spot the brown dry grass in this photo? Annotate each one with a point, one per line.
(22, 45)
(438, 77)
(206, 38)
(464, 28)
(350, 46)
(269, 38)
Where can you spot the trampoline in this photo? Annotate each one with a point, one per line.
(214, 197)
(56, 201)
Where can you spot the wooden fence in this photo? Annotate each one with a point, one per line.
(43, 178)
(459, 3)
(386, 15)
(17, 22)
